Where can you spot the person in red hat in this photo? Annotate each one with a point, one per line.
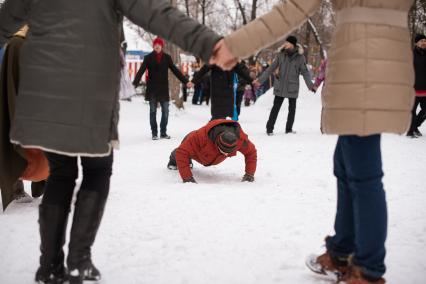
(211, 145)
(158, 63)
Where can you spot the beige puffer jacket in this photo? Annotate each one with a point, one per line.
(370, 77)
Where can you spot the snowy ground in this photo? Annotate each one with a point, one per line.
(158, 230)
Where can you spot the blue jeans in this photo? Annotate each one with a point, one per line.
(153, 116)
(361, 219)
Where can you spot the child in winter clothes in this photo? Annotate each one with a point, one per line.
(222, 88)
(211, 145)
(358, 105)
(249, 95)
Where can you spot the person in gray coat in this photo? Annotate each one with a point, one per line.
(67, 105)
(290, 63)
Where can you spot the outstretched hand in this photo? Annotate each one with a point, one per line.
(256, 83)
(223, 57)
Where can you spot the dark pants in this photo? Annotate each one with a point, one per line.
(418, 119)
(240, 96)
(278, 101)
(361, 219)
(205, 96)
(153, 116)
(60, 185)
(197, 97)
(184, 93)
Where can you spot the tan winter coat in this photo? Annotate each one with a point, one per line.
(370, 77)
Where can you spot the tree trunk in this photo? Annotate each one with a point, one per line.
(187, 7)
(253, 10)
(317, 38)
(173, 50)
(242, 11)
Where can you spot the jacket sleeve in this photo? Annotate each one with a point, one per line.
(250, 154)
(183, 155)
(198, 77)
(305, 73)
(160, 18)
(140, 73)
(268, 72)
(271, 27)
(13, 15)
(321, 76)
(176, 71)
(244, 72)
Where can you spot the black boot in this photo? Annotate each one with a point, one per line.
(53, 221)
(88, 214)
(37, 188)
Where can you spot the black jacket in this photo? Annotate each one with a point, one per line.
(157, 86)
(222, 89)
(420, 69)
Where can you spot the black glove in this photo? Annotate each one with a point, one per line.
(191, 179)
(248, 177)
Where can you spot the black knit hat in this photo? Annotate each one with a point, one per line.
(292, 39)
(419, 37)
(227, 141)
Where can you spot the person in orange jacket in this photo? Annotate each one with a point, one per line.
(211, 145)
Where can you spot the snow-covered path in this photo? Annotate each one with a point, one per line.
(157, 230)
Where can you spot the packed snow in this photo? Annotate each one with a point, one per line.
(157, 230)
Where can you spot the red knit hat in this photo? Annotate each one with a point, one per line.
(158, 41)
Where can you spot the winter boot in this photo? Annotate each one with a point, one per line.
(165, 136)
(417, 132)
(37, 188)
(411, 134)
(155, 137)
(328, 265)
(88, 214)
(172, 166)
(354, 276)
(53, 221)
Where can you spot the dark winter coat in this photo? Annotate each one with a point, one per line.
(291, 65)
(12, 158)
(157, 86)
(70, 67)
(222, 88)
(420, 69)
(200, 146)
(15, 162)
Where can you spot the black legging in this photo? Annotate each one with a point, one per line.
(64, 172)
(278, 101)
(418, 119)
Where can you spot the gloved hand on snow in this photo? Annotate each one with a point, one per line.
(248, 177)
(191, 179)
